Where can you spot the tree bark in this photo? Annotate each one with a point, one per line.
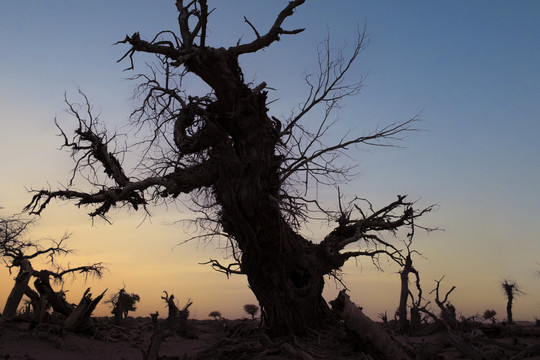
(280, 265)
(366, 329)
(16, 294)
(509, 308)
(58, 303)
(39, 305)
(404, 295)
(288, 288)
(415, 318)
(79, 319)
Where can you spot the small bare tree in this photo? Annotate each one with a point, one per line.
(448, 310)
(18, 252)
(447, 317)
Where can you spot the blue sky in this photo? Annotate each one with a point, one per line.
(469, 70)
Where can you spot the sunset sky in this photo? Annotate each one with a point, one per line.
(470, 71)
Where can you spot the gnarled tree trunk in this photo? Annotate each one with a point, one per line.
(280, 265)
(288, 285)
(16, 294)
(45, 290)
(38, 303)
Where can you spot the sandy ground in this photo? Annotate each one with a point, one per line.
(111, 343)
(127, 342)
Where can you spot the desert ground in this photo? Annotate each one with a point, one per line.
(242, 339)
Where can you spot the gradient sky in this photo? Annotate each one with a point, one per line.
(469, 69)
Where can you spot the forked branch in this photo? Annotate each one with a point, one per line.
(272, 35)
(368, 229)
(231, 269)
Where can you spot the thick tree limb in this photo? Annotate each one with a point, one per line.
(368, 230)
(168, 50)
(92, 143)
(179, 55)
(179, 181)
(94, 269)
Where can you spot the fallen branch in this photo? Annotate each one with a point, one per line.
(366, 329)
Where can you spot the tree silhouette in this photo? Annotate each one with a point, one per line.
(18, 252)
(250, 174)
(490, 315)
(251, 309)
(215, 314)
(123, 303)
(406, 269)
(511, 289)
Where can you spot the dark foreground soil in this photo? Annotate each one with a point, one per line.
(237, 339)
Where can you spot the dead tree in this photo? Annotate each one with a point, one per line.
(79, 319)
(447, 317)
(171, 305)
(174, 324)
(447, 320)
(407, 268)
(447, 310)
(511, 289)
(12, 247)
(18, 252)
(248, 173)
(123, 303)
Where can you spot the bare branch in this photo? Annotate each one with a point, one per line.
(233, 268)
(272, 34)
(329, 87)
(90, 145)
(378, 138)
(252, 27)
(93, 146)
(11, 232)
(178, 56)
(448, 311)
(179, 181)
(368, 230)
(96, 269)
